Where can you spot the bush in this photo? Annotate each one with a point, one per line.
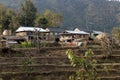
(25, 45)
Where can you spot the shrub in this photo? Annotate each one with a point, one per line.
(25, 45)
(86, 67)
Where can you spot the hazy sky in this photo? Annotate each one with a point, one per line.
(113, 0)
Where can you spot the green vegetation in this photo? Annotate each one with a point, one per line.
(27, 15)
(26, 63)
(49, 19)
(41, 21)
(92, 14)
(7, 18)
(32, 45)
(116, 33)
(86, 67)
(25, 45)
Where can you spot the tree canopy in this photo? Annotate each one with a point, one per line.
(27, 13)
(86, 14)
(6, 15)
(49, 19)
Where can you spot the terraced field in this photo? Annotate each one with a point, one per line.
(53, 64)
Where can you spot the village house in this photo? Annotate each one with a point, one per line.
(31, 33)
(73, 35)
(8, 40)
(54, 33)
(93, 34)
(96, 33)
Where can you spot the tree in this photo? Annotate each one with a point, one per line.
(14, 23)
(13, 20)
(27, 13)
(57, 20)
(116, 33)
(3, 17)
(86, 67)
(41, 21)
(54, 19)
(49, 19)
(6, 15)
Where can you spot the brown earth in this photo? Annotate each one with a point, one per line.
(53, 64)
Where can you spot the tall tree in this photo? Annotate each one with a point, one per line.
(55, 19)
(27, 13)
(13, 21)
(3, 18)
(6, 15)
(49, 19)
(41, 21)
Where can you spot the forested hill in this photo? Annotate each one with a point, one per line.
(90, 14)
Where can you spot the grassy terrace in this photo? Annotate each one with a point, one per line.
(52, 64)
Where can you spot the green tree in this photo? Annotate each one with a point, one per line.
(13, 20)
(86, 67)
(27, 13)
(6, 15)
(3, 18)
(41, 21)
(14, 23)
(54, 19)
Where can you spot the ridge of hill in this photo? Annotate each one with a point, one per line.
(92, 14)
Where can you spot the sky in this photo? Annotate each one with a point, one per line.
(113, 0)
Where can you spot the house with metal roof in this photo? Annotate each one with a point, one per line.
(8, 41)
(30, 29)
(54, 32)
(72, 35)
(30, 33)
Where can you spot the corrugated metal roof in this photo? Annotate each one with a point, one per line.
(97, 32)
(20, 29)
(56, 29)
(76, 32)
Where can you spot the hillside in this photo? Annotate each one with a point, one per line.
(53, 64)
(91, 14)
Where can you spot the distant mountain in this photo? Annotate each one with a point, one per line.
(85, 14)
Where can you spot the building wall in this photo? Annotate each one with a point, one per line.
(73, 36)
(21, 34)
(30, 36)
